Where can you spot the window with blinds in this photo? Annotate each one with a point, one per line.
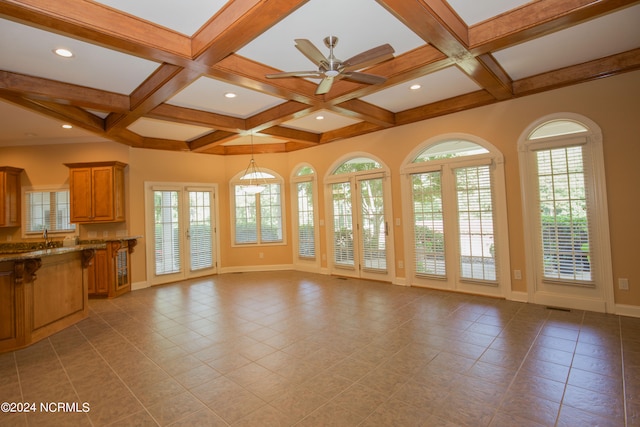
(374, 226)
(475, 223)
(167, 232)
(306, 225)
(200, 230)
(563, 226)
(342, 224)
(429, 255)
(258, 218)
(47, 210)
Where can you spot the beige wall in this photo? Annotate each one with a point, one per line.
(612, 103)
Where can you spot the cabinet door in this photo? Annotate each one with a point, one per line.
(99, 274)
(10, 199)
(80, 183)
(103, 202)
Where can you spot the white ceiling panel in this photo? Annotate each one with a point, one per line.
(434, 87)
(184, 16)
(318, 19)
(29, 128)
(153, 128)
(582, 43)
(91, 65)
(473, 12)
(321, 121)
(209, 95)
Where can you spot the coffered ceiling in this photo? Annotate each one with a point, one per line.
(154, 73)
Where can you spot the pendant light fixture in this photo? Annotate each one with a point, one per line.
(255, 177)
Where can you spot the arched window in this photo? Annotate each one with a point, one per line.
(455, 204)
(359, 207)
(565, 212)
(257, 208)
(305, 208)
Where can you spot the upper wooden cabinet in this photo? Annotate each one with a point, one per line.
(10, 189)
(97, 191)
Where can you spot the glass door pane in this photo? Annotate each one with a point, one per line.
(167, 232)
(429, 240)
(200, 230)
(343, 254)
(475, 223)
(373, 225)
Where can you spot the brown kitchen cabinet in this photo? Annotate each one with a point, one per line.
(110, 272)
(10, 189)
(97, 192)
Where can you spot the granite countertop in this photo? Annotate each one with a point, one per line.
(17, 255)
(110, 239)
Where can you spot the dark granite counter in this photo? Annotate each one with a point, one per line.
(8, 254)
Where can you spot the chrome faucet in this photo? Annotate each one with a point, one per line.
(47, 243)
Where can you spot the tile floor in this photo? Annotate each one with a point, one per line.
(290, 348)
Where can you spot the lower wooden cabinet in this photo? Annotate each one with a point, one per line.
(110, 272)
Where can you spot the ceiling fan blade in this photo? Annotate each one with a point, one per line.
(369, 58)
(311, 74)
(371, 79)
(324, 86)
(309, 50)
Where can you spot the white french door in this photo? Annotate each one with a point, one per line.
(454, 242)
(181, 224)
(360, 232)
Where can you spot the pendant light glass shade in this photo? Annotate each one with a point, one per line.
(256, 178)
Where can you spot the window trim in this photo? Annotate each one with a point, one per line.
(235, 182)
(495, 160)
(295, 179)
(43, 189)
(602, 298)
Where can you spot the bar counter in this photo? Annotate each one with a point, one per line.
(42, 292)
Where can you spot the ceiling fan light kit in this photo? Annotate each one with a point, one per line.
(330, 68)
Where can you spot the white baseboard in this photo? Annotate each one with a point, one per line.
(252, 268)
(627, 310)
(140, 285)
(518, 296)
(574, 302)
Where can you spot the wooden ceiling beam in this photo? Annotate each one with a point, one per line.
(174, 113)
(279, 114)
(63, 93)
(211, 140)
(447, 106)
(66, 113)
(238, 70)
(435, 22)
(535, 19)
(293, 135)
(356, 108)
(349, 132)
(102, 25)
(603, 67)
(237, 24)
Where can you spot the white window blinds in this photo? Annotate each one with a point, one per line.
(563, 226)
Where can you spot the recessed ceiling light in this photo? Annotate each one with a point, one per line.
(65, 53)
(415, 87)
(319, 117)
(230, 95)
(66, 126)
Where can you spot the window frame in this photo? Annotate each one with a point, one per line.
(296, 179)
(563, 292)
(452, 279)
(237, 181)
(25, 213)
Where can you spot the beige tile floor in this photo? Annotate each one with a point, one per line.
(290, 348)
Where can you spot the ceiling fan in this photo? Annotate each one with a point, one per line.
(331, 69)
